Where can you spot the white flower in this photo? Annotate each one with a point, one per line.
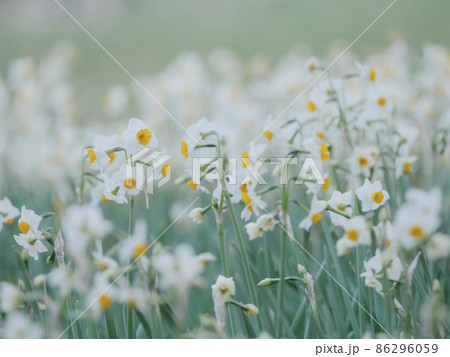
(98, 156)
(126, 179)
(138, 136)
(222, 291)
(18, 326)
(343, 246)
(340, 202)
(7, 212)
(31, 243)
(438, 246)
(384, 259)
(266, 222)
(366, 74)
(10, 297)
(253, 230)
(356, 233)
(197, 215)
(429, 203)
(179, 269)
(136, 246)
(82, 225)
(29, 223)
(196, 136)
(133, 296)
(363, 159)
(370, 278)
(224, 287)
(403, 165)
(371, 195)
(113, 192)
(413, 226)
(103, 294)
(314, 215)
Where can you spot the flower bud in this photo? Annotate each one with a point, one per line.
(251, 310)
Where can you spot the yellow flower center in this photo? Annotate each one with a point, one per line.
(311, 106)
(268, 134)
(104, 199)
(112, 157)
(10, 221)
(24, 227)
(378, 197)
(324, 152)
(129, 183)
(140, 250)
(316, 218)
(341, 207)
(184, 149)
(352, 234)
(92, 156)
(320, 135)
(192, 185)
(417, 232)
(388, 243)
(406, 167)
(165, 170)
(363, 161)
(245, 158)
(143, 136)
(372, 74)
(105, 301)
(312, 68)
(382, 102)
(326, 184)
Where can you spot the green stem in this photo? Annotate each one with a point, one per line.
(130, 271)
(110, 325)
(224, 262)
(244, 257)
(283, 238)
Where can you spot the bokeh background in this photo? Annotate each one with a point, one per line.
(144, 36)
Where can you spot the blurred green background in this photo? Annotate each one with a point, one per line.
(145, 35)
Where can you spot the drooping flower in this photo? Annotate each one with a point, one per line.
(222, 291)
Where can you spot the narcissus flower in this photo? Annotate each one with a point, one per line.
(371, 195)
(403, 165)
(7, 212)
(356, 233)
(340, 202)
(31, 243)
(197, 215)
(29, 223)
(138, 136)
(370, 278)
(128, 179)
(98, 156)
(438, 246)
(314, 215)
(222, 291)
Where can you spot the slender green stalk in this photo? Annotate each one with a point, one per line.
(110, 325)
(144, 323)
(244, 256)
(224, 262)
(130, 271)
(360, 288)
(283, 239)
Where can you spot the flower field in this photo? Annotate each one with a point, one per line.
(228, 198)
